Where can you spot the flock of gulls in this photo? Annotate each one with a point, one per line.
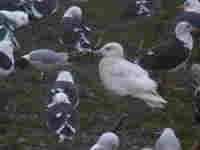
(117, 74)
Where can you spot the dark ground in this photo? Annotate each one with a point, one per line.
(22, 116)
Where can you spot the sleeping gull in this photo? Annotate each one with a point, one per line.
(107, 141)
(167, 141)
(125, 78)
(63, 99)
(74, 31)
(44, 60)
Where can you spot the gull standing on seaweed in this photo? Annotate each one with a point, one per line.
(125, 78)
(63, 100)
(167, 141)
(107, 141)
(74, 31)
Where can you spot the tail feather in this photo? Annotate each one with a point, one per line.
(153, 100)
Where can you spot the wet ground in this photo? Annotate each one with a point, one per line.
(22, 115)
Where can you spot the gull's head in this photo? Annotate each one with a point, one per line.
(168, 140)
(65, 76)
(20, 18)
(74, 12)
(107, 141)
(183, 32)
(61, 98)
(111, 49)
(190, 5)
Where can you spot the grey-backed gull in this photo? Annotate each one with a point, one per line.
(63, 99)
(107, 141)
(44, 60)
(125, 78)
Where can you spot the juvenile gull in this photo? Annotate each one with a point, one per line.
(74, 31)
(125, 78)
(107, 141)
(167, 141)
(44, 60)
(63, 99)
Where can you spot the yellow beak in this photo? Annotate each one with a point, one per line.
(195, 30)
(180, 8)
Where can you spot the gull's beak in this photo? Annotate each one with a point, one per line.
(195, 30)
(180, 8)
(98, 52)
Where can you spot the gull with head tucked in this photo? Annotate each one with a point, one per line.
(107, 141)
(44, 60)
(125, 78)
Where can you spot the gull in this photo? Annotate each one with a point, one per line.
(190, 6)
(74, 31)
(167, 141)
(125, 78)
(6, 58)
(107, 141)
(63, 100)
(44, 60)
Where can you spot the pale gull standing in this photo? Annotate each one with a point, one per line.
(107, 141)
(125, 78)
(167, 141)
(63, 100)
(44, 60)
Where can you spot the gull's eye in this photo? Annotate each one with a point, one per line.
(186, 4)
(108, 48)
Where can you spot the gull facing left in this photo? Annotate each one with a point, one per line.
(125, 78)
